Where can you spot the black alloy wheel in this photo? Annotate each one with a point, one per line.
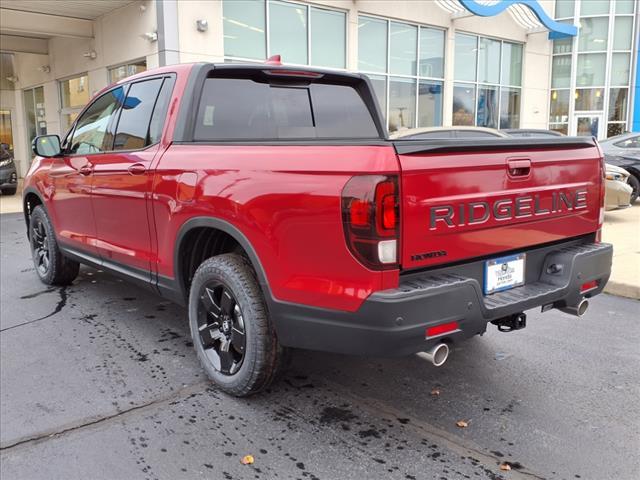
(52, 267)
(40, 247)
(221, 328)
(232, 333)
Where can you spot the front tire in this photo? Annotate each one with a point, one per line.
(9, 191)
(52, 266)
(230, 327)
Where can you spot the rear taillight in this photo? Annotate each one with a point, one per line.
(587, 287)
(370, 214)
(603, 175)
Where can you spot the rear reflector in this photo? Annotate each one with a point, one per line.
(588, 286)
(442, 328)
(387, 251)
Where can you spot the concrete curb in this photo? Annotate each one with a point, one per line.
(623, 290)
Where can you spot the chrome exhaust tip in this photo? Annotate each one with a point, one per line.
(437, 355)
(578, 310)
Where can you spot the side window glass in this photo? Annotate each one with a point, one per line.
(90, 134)
(132, 131)
(160, 111)
(633, 142)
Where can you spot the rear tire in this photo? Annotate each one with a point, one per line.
(52, 266)
(635, 184)
(233, 336)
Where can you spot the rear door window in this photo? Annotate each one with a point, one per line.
(244, 109)
(132, 132)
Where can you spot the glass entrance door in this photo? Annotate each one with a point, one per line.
(589, 126)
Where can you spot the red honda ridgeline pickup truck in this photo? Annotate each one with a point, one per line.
(271, 202)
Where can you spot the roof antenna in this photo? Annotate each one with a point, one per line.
(274, 60)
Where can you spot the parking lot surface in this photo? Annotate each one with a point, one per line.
(100, 380)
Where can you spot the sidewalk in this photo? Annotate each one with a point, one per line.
(12, 203)
(622, 229)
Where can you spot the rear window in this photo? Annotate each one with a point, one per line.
(244, 109)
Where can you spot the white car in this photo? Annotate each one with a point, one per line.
(617, 190)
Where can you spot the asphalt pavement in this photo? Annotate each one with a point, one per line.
(99, 380)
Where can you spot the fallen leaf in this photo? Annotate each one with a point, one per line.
(505, 466)
(462, 423)
(435, 392)
(247, 460)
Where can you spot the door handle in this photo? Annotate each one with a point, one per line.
(86, 170)
(137, 169)
(519, 168)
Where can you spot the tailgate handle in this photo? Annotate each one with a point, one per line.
(519, 168)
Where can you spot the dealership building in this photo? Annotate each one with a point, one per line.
(565, 65)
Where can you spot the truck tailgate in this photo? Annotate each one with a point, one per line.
(472, 199)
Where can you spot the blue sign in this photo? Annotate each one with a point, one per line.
(556, 29)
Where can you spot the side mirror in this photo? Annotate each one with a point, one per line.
(46, 146)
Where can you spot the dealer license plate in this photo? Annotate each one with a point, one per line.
(504, 273)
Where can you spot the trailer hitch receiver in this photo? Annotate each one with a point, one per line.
(513, 322)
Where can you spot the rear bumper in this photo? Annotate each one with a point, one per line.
(394, 322)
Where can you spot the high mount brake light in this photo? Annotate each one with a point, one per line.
(370, 214)
(293, 73)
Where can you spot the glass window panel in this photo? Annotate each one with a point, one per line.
(160, 111)
(340, 112)
(431, 52)
(561, 71)
(372, 44)
(429, 104)
(379, 83)
(511, 64)
(622, 33)
(614, 129)
(132, 132)
(6, 134)
(563, 45)
(288, 31)
(277, 112)
(74, 92)
(402, 46)
(559, 127)
(123, 71)
(464, 104)
(593, 33)
(589, 99)
(402, 103)
(587, 126)
(510, 107)
(328, 38)
(594, 7)
(30, 111)
(618, 104)
(591, 69)
(487, 113)
(489, 61)
(244, 28)
(559, 106)
(620, 67)
(564, 8)
(90, 135)
(68, 119)
(465, 57)
(624, 6)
